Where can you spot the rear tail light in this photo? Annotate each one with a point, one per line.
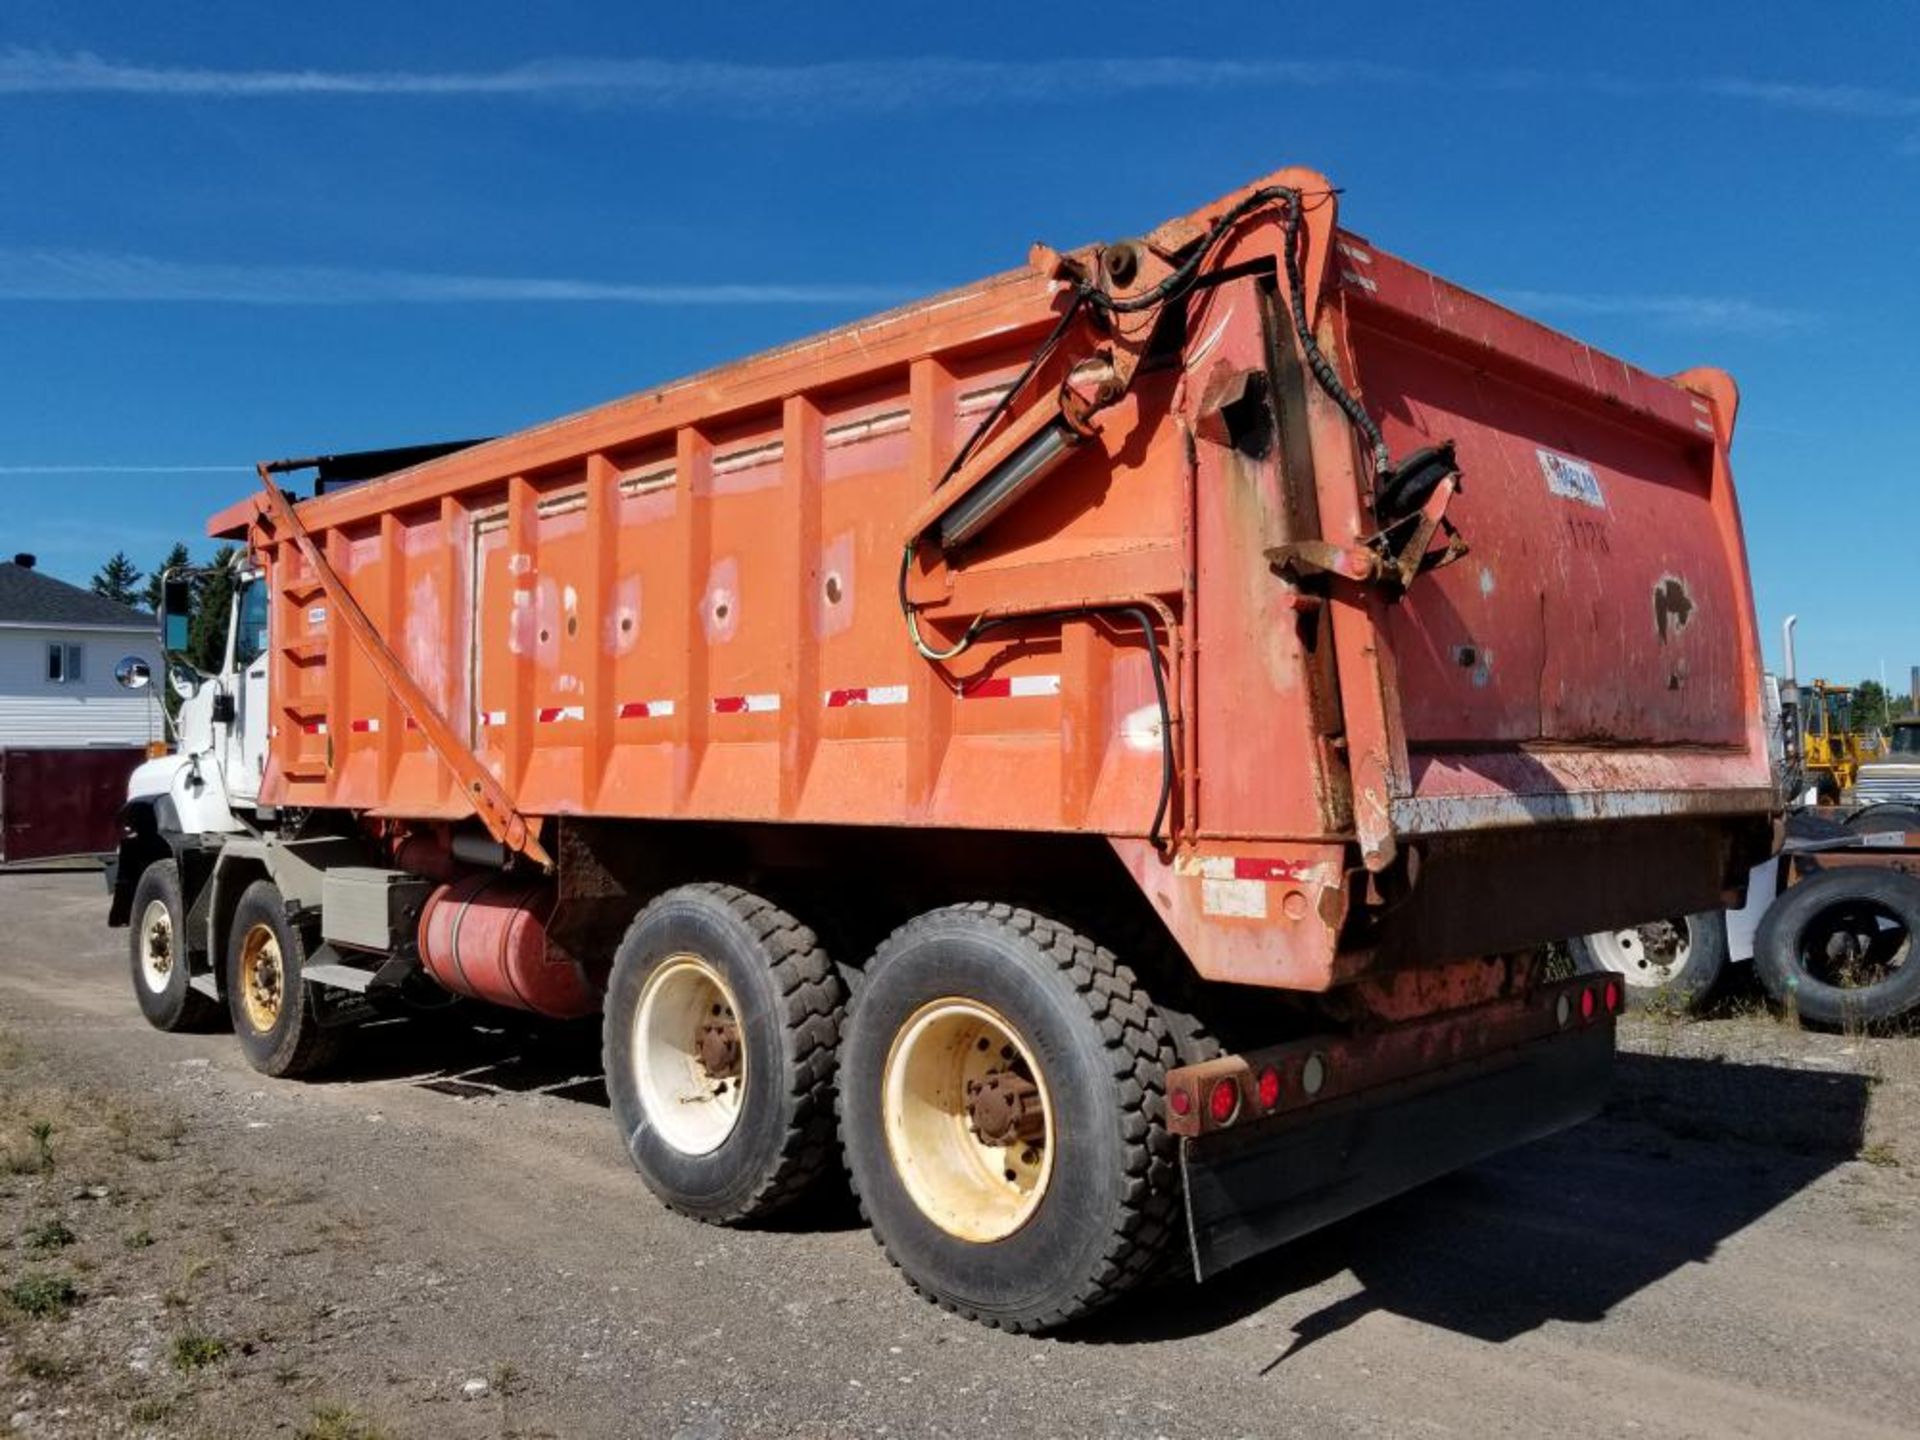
(1223, 1101)
(1587, 1004)
(1267, 1087)
(1180, 1102)
(1613, 997)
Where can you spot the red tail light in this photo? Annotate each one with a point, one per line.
(1586, 1004)
(1180, 1102)
(1267, 1087)
(1223, 1101)
(1612, 997)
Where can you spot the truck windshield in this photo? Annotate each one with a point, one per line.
(1906, 740)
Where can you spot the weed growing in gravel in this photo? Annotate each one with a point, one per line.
(1880, 1154)
(193, 1351)
(50, 1235)
(42, 1294)
(37, 1159)
(139, 1239)
(33, 1365)
(152, 1410)
(336, 1422)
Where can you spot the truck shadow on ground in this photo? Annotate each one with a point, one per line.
(1687, 1153)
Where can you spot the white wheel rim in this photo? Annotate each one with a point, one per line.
(1643, 955)
(969, 1187)
(688, 1106)
(156, 946)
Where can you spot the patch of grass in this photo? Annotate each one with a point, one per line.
(40, 1294)
(285, 1375)
(152, 1410)
(50, 1235)
(140, 1239)
(37, 1158)
(35, 1365)
(1881, 1154)
(337, 1422)
(193, 1351)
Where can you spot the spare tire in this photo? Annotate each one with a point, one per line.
(1675, 962)
(1884, 819)
(1838, 948)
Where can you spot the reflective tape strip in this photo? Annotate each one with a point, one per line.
(643, 709)
(744, 704)
(1011, 687)
(494, 717)
(1242, 867)
(555, 714)
(364, 727)
(314, 727)
(866, 695)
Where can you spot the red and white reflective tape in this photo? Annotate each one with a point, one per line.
(364, 727)
(866, 695)
(745, 704)
(1244, 867)
(643, 709)
(412, 724)
(493, 717)
(1010, 687)
(559, 714)
(313, 727)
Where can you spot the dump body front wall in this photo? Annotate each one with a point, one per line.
(683, 604)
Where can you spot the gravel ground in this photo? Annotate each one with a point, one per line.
(447, 1241)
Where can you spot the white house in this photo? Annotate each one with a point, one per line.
(59, 645)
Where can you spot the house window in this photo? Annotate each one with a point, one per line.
(66, 664)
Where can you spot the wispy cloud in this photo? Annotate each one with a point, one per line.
(852, 84)
(82, 275)
(1725, 314)
(888, 84)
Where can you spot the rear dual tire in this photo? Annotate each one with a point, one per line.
(720, 1032)
(1028, 1236)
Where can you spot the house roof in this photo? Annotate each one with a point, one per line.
(27, 597)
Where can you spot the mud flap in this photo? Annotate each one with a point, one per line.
(1250, 1190)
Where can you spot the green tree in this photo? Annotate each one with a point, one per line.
(118, 580)
(177, 557)
(1873, 707)
(212, 608)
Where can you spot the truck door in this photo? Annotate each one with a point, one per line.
(244, 756)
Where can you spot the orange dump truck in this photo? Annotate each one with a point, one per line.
(1096, 753)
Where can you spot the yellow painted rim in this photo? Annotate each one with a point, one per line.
(970, 1188)
(691, 1110)
(263, 978)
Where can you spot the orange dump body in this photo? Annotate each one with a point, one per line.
(682, 605)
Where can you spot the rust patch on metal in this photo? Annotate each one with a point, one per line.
(1672, 606)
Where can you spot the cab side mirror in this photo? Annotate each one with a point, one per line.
(133, 673)
(176, 611)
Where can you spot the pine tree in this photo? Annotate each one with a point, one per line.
(119, 580)
(212, 608)
(177, 557)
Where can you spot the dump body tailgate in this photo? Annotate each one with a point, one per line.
(1593, 654)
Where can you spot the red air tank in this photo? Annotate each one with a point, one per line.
(485, 937)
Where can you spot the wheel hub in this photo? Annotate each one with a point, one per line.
(719, 1046)
(689, 1060)
(1004, 1109)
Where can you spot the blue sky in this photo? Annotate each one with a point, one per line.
(232, 231)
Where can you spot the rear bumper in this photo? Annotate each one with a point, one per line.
(1250, 1189)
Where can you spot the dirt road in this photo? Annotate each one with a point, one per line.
(447, 1241)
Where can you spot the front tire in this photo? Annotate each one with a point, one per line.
(1002, 1091)
(267, 995)
(720, 1035)
(158, 950)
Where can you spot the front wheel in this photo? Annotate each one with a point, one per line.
(1002, 1090)
(162, 969)
(1675, 962)
(273, 1012)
